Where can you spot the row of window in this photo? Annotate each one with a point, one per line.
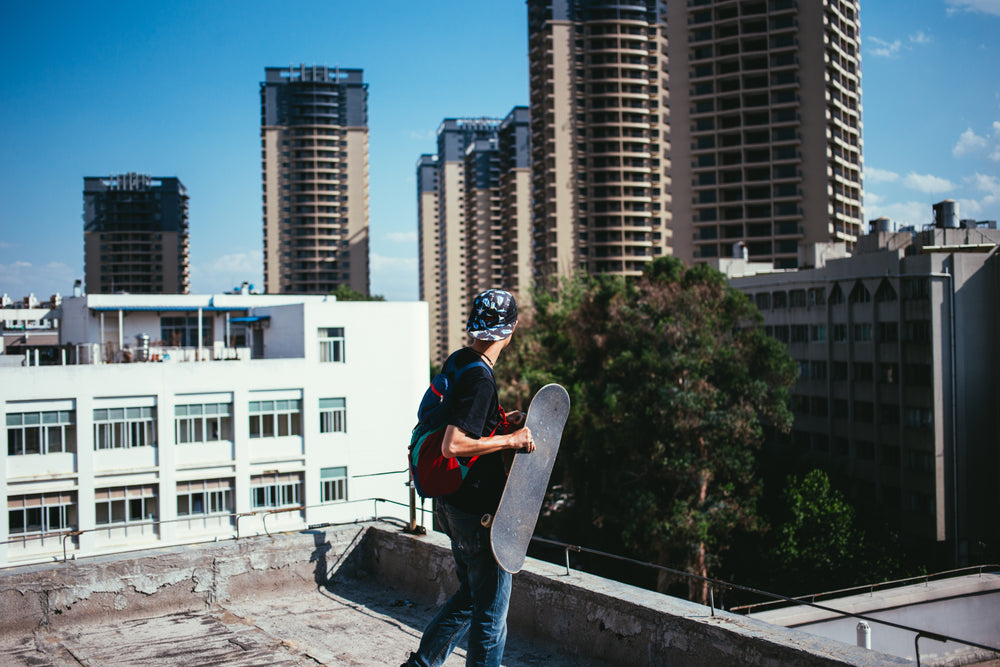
(915, 331)
(53, 431)
(864, 412)
(865, 450)
(912, 288)
(42, 513)
(915, 375)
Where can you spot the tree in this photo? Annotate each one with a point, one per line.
(672, 381)
(347, 293)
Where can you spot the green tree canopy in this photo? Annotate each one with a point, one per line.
(347, 293)
(673, 381)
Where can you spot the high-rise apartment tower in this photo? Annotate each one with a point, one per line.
(314, 149)
(765, 110)
(599, 135)
(693, 128)
(135, 235)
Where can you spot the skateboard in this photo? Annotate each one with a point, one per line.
(514, 522)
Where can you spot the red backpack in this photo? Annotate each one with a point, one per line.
(432, 472)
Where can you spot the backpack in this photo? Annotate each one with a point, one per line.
(434, 474)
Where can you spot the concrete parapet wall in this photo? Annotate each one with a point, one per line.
(587, 615)
(149, 583)
(610, 621)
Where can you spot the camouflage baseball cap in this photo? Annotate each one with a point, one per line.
(494, 313)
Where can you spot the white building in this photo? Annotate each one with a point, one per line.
(237, 414)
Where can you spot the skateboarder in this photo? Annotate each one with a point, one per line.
(479, 608)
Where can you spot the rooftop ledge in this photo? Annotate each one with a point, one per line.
(358, 594)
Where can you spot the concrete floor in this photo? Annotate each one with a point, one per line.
(354, 623)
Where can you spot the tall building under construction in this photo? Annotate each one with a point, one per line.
(314, 154)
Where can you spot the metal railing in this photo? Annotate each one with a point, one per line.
(777, 598)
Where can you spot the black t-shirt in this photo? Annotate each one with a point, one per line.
(475, 408)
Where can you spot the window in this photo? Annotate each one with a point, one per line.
(780, 299)
(800, 333)
(864, 412)
(839, 408)
(126, 504)
(860, 294)
(41, 513)
(862, 332)
(817, 333)
(276, 490)
(331, 344)
(838, 370)
(888, 373)
(866, 450)
(836, 296)
(917, 332)
(888, 413)
(918, 375)
(885, 292)
(183, 331)
(797, 298)
(334, 483)
(203, 422)
(919, 417)
(763, 300)
(205, 497)
(122, 428)
(920, 503)
(817, 370)
(916, 288)
(269, 419)
(816, 296)
(781, 333)
(40, 432)
(920, 461)
(862, 371)
(332, 415)
(887, 332)
(819, 406)
(839, 333)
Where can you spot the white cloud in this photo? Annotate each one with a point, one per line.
(395, 278)
(872, 199)
(225, 272)
(914, 213)
(885, 49)
(927, 183)
(7, 246)
(985, 183)
(875, 175)
(384, 263)
(983, 6)
(970, 143)
(21, 278)
(920, 37)
(422, 135)
(400, 237)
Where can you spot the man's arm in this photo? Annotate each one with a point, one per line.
(457, 443)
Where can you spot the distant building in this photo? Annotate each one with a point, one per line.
(473, 220)
(898, 364)
(135, 235)
(174, 414)
(600, 136)
(314, 150)
(765, 124)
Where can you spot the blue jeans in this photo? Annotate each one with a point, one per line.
(479, 607)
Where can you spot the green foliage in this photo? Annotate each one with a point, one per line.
(818, 531)
(672, 382)
(346, 293)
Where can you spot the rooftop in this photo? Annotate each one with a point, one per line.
(358, 594)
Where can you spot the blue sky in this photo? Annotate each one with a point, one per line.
(172, 89)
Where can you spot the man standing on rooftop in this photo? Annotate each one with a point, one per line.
(477, 427)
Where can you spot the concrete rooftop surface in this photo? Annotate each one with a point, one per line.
(357, 595)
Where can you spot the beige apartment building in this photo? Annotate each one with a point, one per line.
(473, 202)
(314, 153)
(685, 127)
(135, 235)
(898, 366)
(600, 135)
(765, 107)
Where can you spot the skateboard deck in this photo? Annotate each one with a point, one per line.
(514, 522)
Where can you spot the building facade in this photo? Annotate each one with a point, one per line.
(185, 419)
(765, 109)
(600, 136)
(897, 389)
(314, 154)
(135, 235)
